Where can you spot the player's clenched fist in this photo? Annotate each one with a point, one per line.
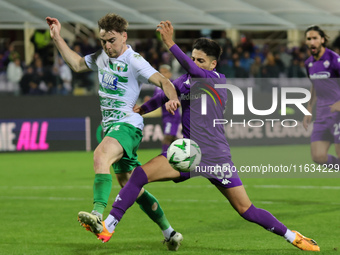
(166, 30)
(54, 25)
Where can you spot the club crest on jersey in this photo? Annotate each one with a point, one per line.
(118, 66)
(109, 81)
(326, 64)
(121, 67)
(310, 64)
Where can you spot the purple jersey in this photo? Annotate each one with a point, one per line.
(170, 122)
(324, 74)
(190, 88)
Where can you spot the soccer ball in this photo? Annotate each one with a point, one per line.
(184, 155)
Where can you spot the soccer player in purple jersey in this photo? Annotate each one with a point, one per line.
(170, 122)
(323, 68)
(212, 141)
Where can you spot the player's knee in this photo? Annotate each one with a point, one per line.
(320, 158)
(241, 209)
(99, 164)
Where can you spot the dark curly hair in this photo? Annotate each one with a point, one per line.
(209, 47)
(114, 22)
(320, 31)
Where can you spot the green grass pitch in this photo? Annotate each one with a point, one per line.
(41, 194)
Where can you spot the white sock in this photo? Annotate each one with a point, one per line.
(110, 223)
(289, 236)
(167, 233)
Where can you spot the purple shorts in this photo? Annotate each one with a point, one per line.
(327, 129)
(225, 175)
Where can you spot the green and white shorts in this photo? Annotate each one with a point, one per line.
(129, 138)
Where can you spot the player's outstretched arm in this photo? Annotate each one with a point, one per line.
(152, 104)
(169, 90)
(74, 61)
(166, 31)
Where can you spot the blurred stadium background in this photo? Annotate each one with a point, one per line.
(263, 43)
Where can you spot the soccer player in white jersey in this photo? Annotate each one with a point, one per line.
(121, 71)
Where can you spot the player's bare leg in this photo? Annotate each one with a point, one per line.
(320, 155)
(106, 153)
(319, 151)
(149, 204)
(159, 169)
(156, 168)
(334, 162)
(240, 201)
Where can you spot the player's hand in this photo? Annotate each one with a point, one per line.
(335, 107)
(138, 109)
(55, 27)
(306, 121)
(166, 30)
(172, 105)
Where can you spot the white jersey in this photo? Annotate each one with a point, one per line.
(120, 81)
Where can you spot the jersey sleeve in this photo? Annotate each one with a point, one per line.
(142, 69)
(92, 60)
(155, 102)
(187, 63)
(158, 99)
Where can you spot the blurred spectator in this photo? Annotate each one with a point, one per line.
(255, 69)
(226, 45)
(2, 63)
(86, 47)
(285, 56)
(243, 60)
(270, 69)
(9, 55)
(94, 41)
(47, 80)
(224, 67)
(295, 52)
(153, 58)
(246, 61)
(235, 56)
(29, 83)
(336, 43)
(258, 52)
(239, 71)
(279, 63)
(295, 70)
(247, 43)
(81, 80)
(65, 75)
(14, 74)
(41, 40)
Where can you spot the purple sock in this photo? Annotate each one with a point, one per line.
(333, 162)
(128, 195)
(264, 219)
(165, 147)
